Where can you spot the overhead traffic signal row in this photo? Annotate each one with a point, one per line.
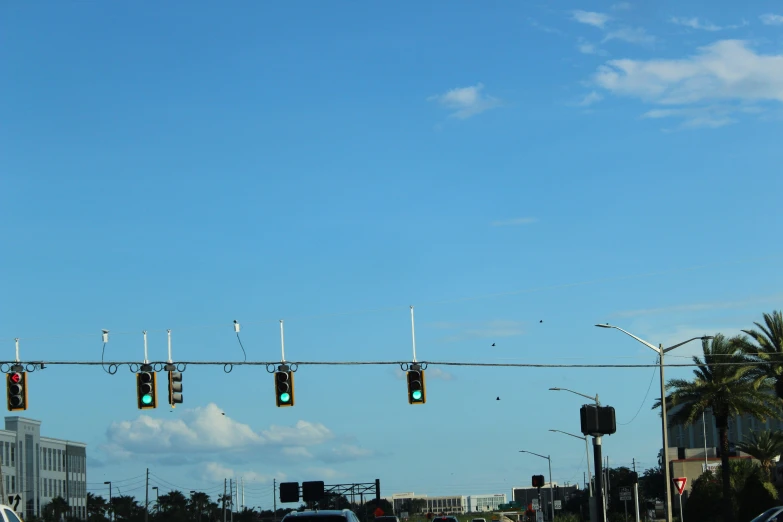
(147, 387)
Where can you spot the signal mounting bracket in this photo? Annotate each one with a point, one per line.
(17, 368)
(145, 367)
(170, 367)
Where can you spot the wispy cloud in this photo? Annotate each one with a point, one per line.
(590, 98)
(712, 116)
(466, 101)
(586, 47)
(697, 307)
(771, 19)
(635, 35)
(514, 222)
(703, 25)
(590, 18)
(545, 28)
(727, 71)
(495, 329)
(621, 6)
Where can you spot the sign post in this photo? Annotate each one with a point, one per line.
(679, 483)
(625, 496)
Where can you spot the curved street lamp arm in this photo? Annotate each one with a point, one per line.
(648, 345)
(570, 434)
(577, 393)
(703, 338)
(536, 454)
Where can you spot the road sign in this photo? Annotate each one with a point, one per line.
(679, 483)
(625, 494)
(535, 504)
(558, 505)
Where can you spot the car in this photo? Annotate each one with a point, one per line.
(387, 518)
(774, 514)
(322, 515)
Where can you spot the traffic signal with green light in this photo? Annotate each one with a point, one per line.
(175, 388)
(146, 390)
(16, 387)
(284, 387)
(417, 391)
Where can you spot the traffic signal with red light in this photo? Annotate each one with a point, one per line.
(417, 390)
(175, 388)
(146, 390)
(284, 387)
(16, 387)
(538, 481)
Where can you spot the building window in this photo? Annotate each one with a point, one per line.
(13, 456)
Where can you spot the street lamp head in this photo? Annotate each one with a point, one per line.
(605, 325)
(556, 389)
(707, 337)
(107, 482)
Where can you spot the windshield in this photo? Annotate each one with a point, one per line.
(765, 515)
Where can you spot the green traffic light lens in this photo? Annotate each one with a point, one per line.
(284, 397)
(146, 399)
(416, 395)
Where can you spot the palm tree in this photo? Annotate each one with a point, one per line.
(723, 382)
(199, 502)
(96, 507)
(768, 348)
(763, 446)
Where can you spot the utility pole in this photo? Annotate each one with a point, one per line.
(636, 490)
(224, 500)
(600, 507)
(146, 496)
(231, 502)
(274, 499)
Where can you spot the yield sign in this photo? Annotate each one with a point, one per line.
(679, 483)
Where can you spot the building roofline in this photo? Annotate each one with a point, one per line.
(26, 419)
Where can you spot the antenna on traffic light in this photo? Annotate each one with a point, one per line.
(417, 391)
(284, 377)
(146, 383)
(175, 378)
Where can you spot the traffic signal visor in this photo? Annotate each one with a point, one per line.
(146, 390)
(417, 391)
(16, 388)
(284, 389)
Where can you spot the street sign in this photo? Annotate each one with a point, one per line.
(535, 504)
(558, 505)
(679, 483)
(625, 494)
(404, 514)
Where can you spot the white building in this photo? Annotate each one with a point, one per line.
(39, 469)
(477, 503)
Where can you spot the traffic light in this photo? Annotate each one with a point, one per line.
(538, 481)
(175, 388)
(284, 387)
(417, 391)
(146, 390)
(16, 385)
(289, 492)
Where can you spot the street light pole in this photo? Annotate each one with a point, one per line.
(587, 452)
(157, 502)
(660, 350)
(551, 488)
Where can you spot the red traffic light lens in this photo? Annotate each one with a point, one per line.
(16, 377)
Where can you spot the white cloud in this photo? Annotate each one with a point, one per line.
(636, 35)
(590, 98)
(621, 6)
(210, 470)
(712, 116)
(297, 451)
(204, 430)
(585, 47)
(695, 23)
(698, 307)
(323, 473)
(466, 101)
(514, 222)
(771, 19)
(590, 18)
(725, 71)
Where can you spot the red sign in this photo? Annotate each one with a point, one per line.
(679, 483)
(378, 512)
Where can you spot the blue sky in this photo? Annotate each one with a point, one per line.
(494, 164)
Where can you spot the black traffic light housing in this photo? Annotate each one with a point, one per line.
(597, 420)
(175, 385)
(16, 388)
(146, 388)
(538, 481)
(417, 388)
(313, 491)
(284, 387)
(289, 492)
